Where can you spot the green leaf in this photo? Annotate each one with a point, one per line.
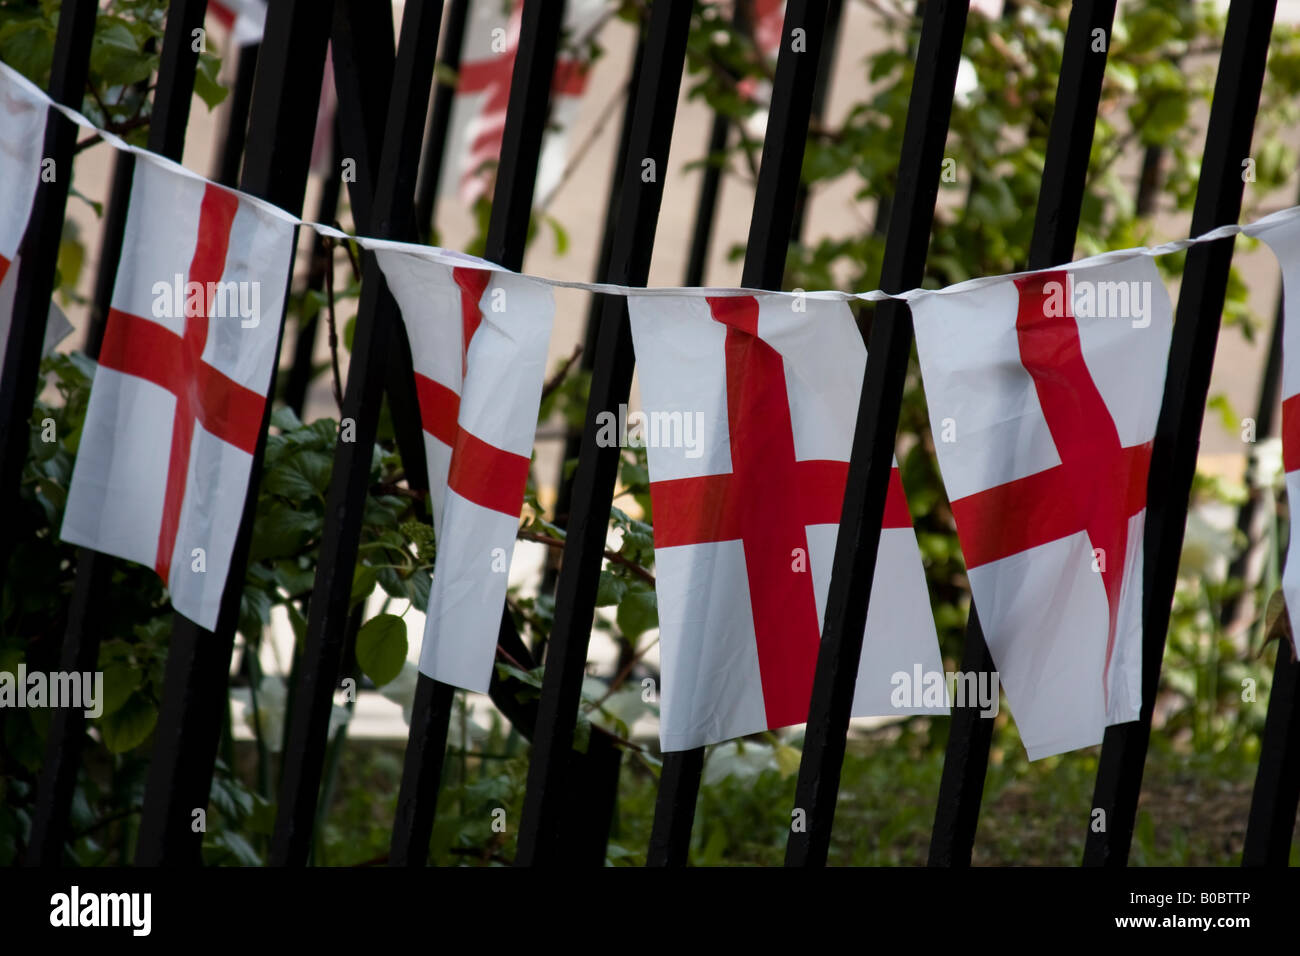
(28, 46)
(1228, 416)
(293, 578)
(206, 86)
(304, 476)
(381, 647)
(71, 256)
(638, 612)
(582, 733)
(229, 846)
(286, 419)
(254, 610)
(312, 303)
(115, 54)
(282, 529)
(120, 681)
(561, 236)
(419, 584)
(364, 579)
(394, 584)
(531, 678)
(129, 725)
(610, 590)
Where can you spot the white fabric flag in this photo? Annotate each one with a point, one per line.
(749, 414)
(178, 398)
(22, 141)
(1044, 392)
(1282, 233)
(478, 345)
(245, 19)
(478, 118)
(22, 138)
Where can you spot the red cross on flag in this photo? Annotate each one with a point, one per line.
(478, 118)
(1282, 233)
(177, 402)
(479, 338)
(749, 405)
(1044, 392)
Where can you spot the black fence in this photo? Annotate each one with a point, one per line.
(385, 123)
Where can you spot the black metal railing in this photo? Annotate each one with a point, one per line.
(384, 103)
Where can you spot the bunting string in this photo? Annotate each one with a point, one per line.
(450, 257)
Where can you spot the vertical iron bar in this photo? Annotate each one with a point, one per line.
(282, 118)
(706, 207)
(587, 361)
(679, 787)
(654, 112)
(928, 113)
(63, 744)
(435, 137)
(361, 48)
(776, 202)
(390, 214)
(170, 116)
(594, 797)
(39, 255)
(110, 248)
(304, 343)
(1277, 780)
(417, 798)
(776, 193)
(1191, 358)
(526, 115)
(1056, 221)
(1269, 392)
(363, 105)
(521, 149)
(821, 93)
(235, 129)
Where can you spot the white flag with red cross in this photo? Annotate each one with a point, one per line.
(244, 19)
(1043, 391)
(478, 118)
(22, 141)
(1282, 233)
(22, 136)
(177, 402)
(478, 344)
(750, 405)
